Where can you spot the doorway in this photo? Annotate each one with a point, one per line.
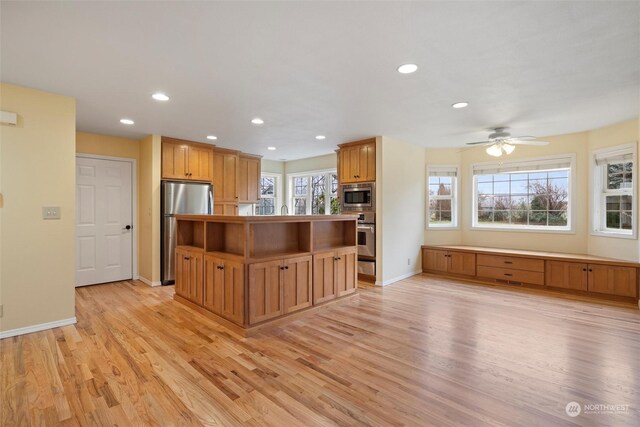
(104, 219)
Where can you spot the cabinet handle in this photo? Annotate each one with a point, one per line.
(286, 267)
(508, 274)
(591, 270)
(187, 257)
(508, 262)
(584, 269)
(186, 174)
(281, 268)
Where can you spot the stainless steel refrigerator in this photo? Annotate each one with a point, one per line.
(179, 198)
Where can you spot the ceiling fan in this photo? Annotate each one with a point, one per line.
(501, 142)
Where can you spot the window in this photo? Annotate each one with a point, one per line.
(614, 210)
(314, 194)
(531, 195)
(269, 194)
(442, 197)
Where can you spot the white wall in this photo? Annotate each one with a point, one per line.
(400, 209)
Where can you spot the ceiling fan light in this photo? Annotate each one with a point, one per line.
(494, 150)
(508, 148)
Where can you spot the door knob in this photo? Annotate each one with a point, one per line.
(127, 227)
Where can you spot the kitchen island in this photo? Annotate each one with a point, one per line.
(251, 271)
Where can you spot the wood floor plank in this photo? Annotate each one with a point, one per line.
(423, 351)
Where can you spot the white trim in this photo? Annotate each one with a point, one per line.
(277, 200)
(571, 212)
(134, 204)
(37, 328)
(398, 278)
(149, 282)
(455, 196)
(598, 181)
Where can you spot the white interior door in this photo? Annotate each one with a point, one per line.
(103, 221)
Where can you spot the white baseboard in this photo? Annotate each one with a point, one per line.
(37, 328)
(395, 279)
(149, 282)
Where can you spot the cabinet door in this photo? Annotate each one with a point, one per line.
(354, 164)
(462, 263)
(229, 209)
(324, 277)
(196, 277)
(182, 273)
(174, 160)
(265, 291)
(225, 169)
(248, 179)
(298, 292)
(200, 163)
(566, 275)
(346, 272)
(434, 260)
(367, 162)
(213, 284)
(613, 280)
(233, 292)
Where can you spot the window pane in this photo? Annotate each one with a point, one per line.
(300, 185)
(626, 220)
(501, 217)
(557, 218)
(613, 203)
(445, 216)
(267, 185)
(519, 217)
(519, 187)
(613, 219)
(485, 178)
(485, 188)
(538, 218)
(485, 216)
(501, 187)
(625, 203)
(444, 205)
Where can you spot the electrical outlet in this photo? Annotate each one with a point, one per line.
(408, 261)
(1, 310)
(51, 212)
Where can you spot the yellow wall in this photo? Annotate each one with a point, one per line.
(400, 208)
(580, 241)
(328, 161)
(105, 145)
(37, 168)
(272, 166)
(149, 167)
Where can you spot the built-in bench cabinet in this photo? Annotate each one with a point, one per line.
(248, 271)
(588, 275)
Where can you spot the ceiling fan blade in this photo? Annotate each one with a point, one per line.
(478, 142)
(522, 138)
(520, 142)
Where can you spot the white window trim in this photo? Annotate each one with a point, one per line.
(290, 176)
(278, 189)
(599, 180)
(569, 229)
(455, 212)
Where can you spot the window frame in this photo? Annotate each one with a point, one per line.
(536, 165)
(277, 188)
(455, 214)
(308, 196)
(600, 192)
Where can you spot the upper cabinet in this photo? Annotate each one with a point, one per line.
(225, 175)
(248, 178)
(357, 161)
(186, 160)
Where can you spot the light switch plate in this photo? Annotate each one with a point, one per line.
(51, 212)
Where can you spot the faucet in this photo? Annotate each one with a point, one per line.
(284, 210)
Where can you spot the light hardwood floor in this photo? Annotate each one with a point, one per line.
(423, 351)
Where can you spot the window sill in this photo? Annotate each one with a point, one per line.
(523, 229)
(613, 234)
(443, 227)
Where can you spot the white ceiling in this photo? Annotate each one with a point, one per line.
(310, 68)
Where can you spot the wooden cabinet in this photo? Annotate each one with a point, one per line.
(189, 281)
(225, 175)
(598, 278)
(279, 287)
(357, 161)
(248, 178)
(224, 288)
(186, 161)
(452, 262)
(334, 274)
(225, 208)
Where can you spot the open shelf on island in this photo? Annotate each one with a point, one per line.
(274, 238)
(333, 234)
(190, 233)
(225, 237)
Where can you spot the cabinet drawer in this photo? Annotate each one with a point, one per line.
(533, 277)
(529, 264)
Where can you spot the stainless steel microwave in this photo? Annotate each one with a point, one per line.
(358, 197)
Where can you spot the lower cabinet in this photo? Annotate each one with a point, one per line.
(279, 287)
(189, 281)
(334, 274)
(229, 209)
(453, 262)
(224, 288)
(598, 278)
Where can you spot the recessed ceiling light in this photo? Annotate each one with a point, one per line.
(127, 121)
(460, 105)
(159, 96)
(212, 137)
(320, 137)
(257, 121)
(271, 148)
(407, 68)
